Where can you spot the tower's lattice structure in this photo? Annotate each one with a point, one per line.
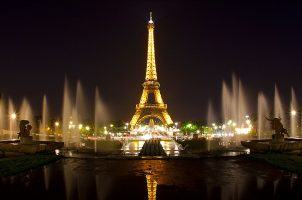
(151, 105)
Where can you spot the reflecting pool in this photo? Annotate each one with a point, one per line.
(210, 178)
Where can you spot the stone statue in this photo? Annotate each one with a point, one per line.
(24, 133)
(280, 131)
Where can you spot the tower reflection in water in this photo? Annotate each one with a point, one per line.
(151, 186)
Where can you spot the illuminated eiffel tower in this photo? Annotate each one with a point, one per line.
(151, 106)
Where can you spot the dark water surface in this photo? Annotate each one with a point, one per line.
(210, 178)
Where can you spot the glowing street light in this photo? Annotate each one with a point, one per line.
(80, 126)
(13, 116)
(57, 124)
(293, 113)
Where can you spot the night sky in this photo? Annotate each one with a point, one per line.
(197, 46)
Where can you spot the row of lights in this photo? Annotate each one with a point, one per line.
(233, 125)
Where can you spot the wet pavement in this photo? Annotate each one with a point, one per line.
(208, 178)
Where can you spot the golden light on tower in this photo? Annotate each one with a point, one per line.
(151, 74)
(151, 187)
(151, 104)
(57, 124)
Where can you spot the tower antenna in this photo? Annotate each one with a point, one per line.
(150, 21)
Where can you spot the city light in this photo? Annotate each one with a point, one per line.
(13, 116)
(293, 113)
(57, 124)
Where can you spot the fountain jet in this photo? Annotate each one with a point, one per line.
(2, 115)
(278, 107)
(242, 104)
(101, 115)
(45, 116)
(263, 111)
(210, 115)
(293, 114)
(66, 114)
(12, 118)
(26, 111)
(234, 104)
(234, 100)
(226, 101)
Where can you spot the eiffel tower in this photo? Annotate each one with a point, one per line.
(151, 105)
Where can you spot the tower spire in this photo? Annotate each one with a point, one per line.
(150, 20)
(151, 74)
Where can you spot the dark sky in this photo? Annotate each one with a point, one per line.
(197, 46)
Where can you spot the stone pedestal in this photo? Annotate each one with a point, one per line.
(277, 138)
(26, 140)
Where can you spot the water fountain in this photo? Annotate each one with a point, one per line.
(293, 114)
(101, 115)
(263, 111)
(45, 116)
(277, 143)
(3, 118)
(235, 99)
(12, 118)
(79, 113)
(25, 112)
(242, 108)
(80, 103)
(234, 103)
(210, 114)
(226, 102)
(278, 106)
(66, 114)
